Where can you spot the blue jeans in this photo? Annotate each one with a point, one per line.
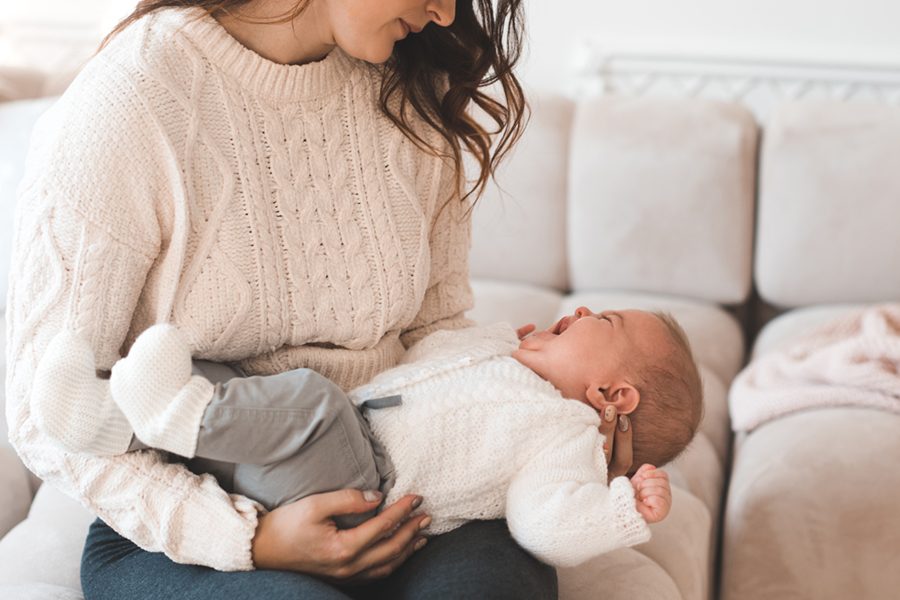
(478, 560)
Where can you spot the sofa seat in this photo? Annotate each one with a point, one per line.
(45, 548)
(809, 512)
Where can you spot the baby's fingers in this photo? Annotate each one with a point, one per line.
(648, 491)
(525, 330)
(653, 508)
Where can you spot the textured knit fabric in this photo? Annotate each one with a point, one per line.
(151, 394)
(853, 361)
(72, 406)
(271, 212)
(154, 388)
(481, 436)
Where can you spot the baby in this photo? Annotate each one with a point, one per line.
(479, 423)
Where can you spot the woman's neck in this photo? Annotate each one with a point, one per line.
(306, 39)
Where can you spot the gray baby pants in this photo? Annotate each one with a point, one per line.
(279, 438)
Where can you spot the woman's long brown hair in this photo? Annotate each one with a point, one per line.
(440, 73)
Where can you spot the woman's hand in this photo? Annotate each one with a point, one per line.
(617, 445)
(302, 536)
(652, 493)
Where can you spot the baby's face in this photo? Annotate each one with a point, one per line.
(587, 349)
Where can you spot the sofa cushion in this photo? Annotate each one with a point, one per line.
(16, 122)
(4, 430)
(619, 575)
(798, 520)
(796, 323)
(519, 225)
(19, 84)
(682, 544)
(810, 513)
(515, 303)
(15, 489)
(662, 197)
(39, 591)
(828, 214)
(46, 547)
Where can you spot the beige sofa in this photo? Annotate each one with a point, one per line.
(616, 202)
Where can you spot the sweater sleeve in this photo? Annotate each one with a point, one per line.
(560, 508)
(86, 235)
(449, 293)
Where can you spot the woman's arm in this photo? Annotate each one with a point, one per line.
(99, 182)
(449, 293)
(71, 272)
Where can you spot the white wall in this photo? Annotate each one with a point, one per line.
(864, 31)
(854, 31)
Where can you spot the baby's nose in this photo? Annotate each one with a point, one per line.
(583, 311)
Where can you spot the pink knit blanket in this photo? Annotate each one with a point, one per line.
(852, 361)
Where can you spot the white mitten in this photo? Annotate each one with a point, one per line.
(154, 387)
(72, 405)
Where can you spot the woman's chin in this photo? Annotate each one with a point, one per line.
(375, 55)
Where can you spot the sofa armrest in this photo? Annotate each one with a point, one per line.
(16, 489)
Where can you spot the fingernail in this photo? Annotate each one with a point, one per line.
(623, 423)
(424, 522)
(420, 544)
(372, 496)
(417, 502)
(609, 413)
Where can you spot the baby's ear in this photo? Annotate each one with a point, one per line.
(623, 396)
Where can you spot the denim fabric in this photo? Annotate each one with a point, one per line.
(476, 561)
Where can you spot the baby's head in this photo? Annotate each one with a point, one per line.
(638, 361)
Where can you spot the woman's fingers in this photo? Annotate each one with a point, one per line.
(386, 555)
(381, 525)
(343, 502)
(608, 430)
(623, 451)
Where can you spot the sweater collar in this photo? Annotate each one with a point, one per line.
(263, 77)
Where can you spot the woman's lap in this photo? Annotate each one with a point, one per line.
(478, 560)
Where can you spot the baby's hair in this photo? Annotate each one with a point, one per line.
(671, 405)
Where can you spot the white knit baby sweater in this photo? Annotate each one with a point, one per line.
(480, 436)
(271, 212)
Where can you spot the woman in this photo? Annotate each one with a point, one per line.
(280, 180)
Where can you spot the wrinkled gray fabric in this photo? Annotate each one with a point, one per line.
(279, 438)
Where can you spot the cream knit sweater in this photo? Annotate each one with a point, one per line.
(271, 212)
(481, 436)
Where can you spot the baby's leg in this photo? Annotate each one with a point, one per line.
(287, 436)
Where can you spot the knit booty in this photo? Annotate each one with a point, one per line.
(72, 405)
(154, 387)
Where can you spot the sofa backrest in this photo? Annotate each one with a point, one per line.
(829, 205)
(16, 122)
(519, 228)
(631, 194)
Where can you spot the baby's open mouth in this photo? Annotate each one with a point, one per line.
(560, 326)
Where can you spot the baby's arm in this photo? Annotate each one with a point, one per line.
(560, 508)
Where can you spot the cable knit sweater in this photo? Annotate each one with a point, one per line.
(481, 436)
(271, 212)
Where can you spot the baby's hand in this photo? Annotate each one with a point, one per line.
(525, 330)
(652, 493)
